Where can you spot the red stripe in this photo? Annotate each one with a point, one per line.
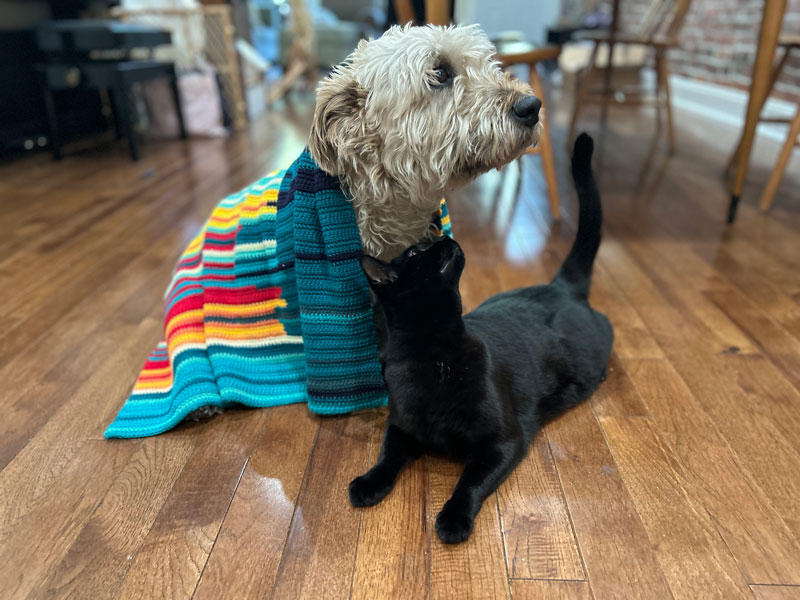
(244, 295)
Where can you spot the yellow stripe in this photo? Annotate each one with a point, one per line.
(243, 310)
(245, 333)
(159, 383)
(185, 337)
(190, 316)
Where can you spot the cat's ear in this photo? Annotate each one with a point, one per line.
(377, 272)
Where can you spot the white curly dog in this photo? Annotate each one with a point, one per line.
(412, 115)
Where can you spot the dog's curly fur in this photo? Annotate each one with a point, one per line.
(410, 116)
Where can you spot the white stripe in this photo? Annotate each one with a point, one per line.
(262, 245)
(218, 253)
(267, 341)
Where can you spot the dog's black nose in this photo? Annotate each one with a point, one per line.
(526, 109)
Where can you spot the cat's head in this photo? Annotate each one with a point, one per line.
(420, 286)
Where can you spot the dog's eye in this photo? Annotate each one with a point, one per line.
(443, 74)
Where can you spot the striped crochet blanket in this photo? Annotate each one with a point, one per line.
(268, 305)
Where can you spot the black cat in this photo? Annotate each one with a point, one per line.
(478, 387)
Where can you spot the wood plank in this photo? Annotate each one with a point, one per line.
(617, 396)
(695, 559)
(394, 540)
(537, 532)
(632, 339)
(98, 560)
(53, 456)
(550, 590)
(756, 285)
(776, 592)
(753, 258)
(175, 551)
(774, 340)
(257, 523)
(75, 348)
(475, 568)
(42, 532)
(319, 557)
(607, 526)
(697, 310)
(756, 535)
(747, 420)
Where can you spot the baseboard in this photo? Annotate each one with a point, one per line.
(723, 104)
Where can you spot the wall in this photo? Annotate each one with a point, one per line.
(531, 17)
(718, 42)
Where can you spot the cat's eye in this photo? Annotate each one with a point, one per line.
(443, 74)
(412, 252)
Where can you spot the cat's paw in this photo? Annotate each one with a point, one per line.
(366, 491)
(454, 524)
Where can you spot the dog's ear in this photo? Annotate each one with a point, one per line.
(337, 119)
(378, 273)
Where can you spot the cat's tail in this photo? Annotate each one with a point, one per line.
(576, 271)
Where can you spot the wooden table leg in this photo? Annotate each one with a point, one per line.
(767, 43)
(776, 72)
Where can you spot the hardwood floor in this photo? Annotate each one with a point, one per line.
(680, 478)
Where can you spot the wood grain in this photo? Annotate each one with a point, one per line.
(550, 590)
(475, 568)
(538, 535)
(257, 522)
(394, 538)
(755, 533)
(100, 557)
(617, 396)
(696, 562)
(174, 553)
(776, 592)
(319, 556)
(610, 532)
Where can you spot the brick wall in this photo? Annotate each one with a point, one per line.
(718, 42)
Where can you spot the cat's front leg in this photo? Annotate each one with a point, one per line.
(397, 451)
(485, 470)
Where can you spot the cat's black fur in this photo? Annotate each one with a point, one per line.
(479, 387)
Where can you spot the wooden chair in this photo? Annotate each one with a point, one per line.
(515, 53)
(786, 43)
(658, 31)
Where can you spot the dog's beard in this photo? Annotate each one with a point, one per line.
(519, 140)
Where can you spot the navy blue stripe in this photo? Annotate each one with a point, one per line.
(332, 258)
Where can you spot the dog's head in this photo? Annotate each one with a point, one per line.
(418, 288)
(419, 111)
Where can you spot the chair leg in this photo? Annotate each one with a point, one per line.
(546, 149)
(52, 118)
(776, 72)
(120, 100)
(777, 173)
(580, 94)
(607, 76)
(662, 72)
(176, 98)
(659, 93)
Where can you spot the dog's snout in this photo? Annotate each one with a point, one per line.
(526, 109)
